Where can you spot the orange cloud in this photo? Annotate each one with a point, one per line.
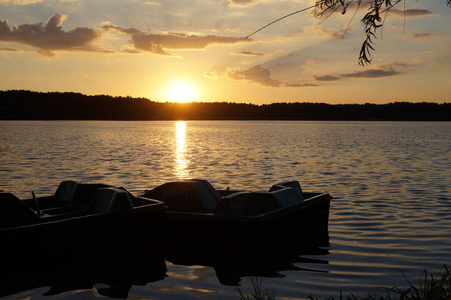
(50, 36)
(411, 12)
(243, 2)
(261, 75)
(212, 75)
(373, 73)
(250, 53)
(391, 66)
(254, 53)
(20, 2)
(326, 78)
(158, 43)
(121, 30)
(153, 3)
(423, 35)
(9, 49)
(332, 33)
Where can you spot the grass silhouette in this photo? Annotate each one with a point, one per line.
(430, 287)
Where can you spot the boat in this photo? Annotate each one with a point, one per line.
(196, 210)
(77, 215)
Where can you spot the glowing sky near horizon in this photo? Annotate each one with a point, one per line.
(140, 48)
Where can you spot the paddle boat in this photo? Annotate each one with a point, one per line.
(195, 209)
(77, 214)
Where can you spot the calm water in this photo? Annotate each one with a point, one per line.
(390, 181)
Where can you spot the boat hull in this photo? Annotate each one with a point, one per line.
(33, 244)
(303, 222)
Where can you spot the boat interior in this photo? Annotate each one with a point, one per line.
(199, 196)
(71, 199)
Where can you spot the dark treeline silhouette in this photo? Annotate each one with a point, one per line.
(28, 105)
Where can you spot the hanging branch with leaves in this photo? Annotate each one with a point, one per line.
(372, 20)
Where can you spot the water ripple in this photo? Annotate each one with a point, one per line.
(390, 216)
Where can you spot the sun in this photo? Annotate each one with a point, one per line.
(180, 91)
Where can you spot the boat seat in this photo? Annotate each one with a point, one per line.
(188, 196)
(253, 204)
(248, 204)
(14, 212)
(65, 192)
(84, 194)
(69, 197)
(108, 200)
(287, 196)
(292, 184)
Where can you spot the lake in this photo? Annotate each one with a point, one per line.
(390, 217)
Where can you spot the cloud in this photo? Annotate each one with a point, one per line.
(50, 36)
(391, 66)
(121, 29)
(326, 78)
(311, 62)
(153, 3)
(383, 70)
(157, 43)
(351, 6)
(47, 53)
(20, 2)
(411, 12)
(131, 51)
(373, 73)
(332, 33)
(322, 31)
(242, 2)
(212, 75)
(253, 53)
(260, 75)
(423, 35)
(27, 2)
(9, 49)
(250, 53)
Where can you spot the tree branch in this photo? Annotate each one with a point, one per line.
(372, 20)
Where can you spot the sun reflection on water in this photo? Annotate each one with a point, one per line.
(181, 162)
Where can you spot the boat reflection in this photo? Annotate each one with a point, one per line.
(80, 267)
(181, 162)
(233, 261)
(123, 266)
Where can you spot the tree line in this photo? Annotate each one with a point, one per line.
(28, 105)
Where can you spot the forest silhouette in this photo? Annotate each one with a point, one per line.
(29, 105)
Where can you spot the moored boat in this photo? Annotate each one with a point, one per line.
(195, 209)
(78, 214)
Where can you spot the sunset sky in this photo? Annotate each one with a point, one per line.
(194, 50)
